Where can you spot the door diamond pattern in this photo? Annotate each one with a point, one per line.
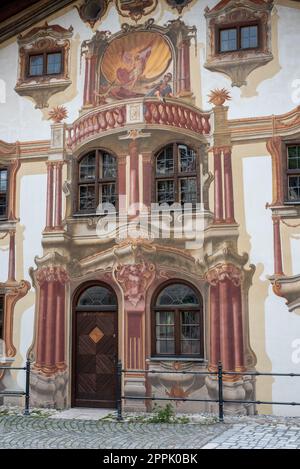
(96, 335)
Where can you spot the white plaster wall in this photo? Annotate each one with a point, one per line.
(32, 217)
(282, 329)
(4, 255)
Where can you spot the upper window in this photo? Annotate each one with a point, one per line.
(97, 297)
(45, 64)
(97, 173)
(3, 192)
(293, 172)
(177, 322)
(1, 316)
(176, 175)
(239, 38)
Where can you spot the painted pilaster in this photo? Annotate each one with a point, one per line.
(218, 186)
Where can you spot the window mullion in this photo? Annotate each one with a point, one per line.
(177, 332)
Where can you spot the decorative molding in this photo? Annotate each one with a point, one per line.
(287, 287)
(38, 41)
(274, 147)
(223, 271)
(92, 11)
(13, 292)
(135, 279)
(136, 9)
(238, 64)
(178, 4)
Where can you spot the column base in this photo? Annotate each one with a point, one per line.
(135, 387)
(242, 389)
(49, 391)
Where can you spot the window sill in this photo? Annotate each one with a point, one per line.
(176, 359)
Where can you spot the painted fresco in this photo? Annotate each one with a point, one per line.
(136, 65)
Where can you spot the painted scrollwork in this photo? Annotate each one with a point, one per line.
(223, 271)
(38, 41)
(238, 64)
(135, 279)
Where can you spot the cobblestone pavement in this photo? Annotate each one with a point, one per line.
(246, 433)
(35, 432)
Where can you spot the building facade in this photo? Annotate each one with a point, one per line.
(150, 200)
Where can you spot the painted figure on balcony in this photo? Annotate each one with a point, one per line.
(162, 89)
(133, 64)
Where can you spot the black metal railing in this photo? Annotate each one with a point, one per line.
(25, 393)
(219, 374)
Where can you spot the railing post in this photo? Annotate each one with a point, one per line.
(221, 401)
(27, 387)
(119, 391)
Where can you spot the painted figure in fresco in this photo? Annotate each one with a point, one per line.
(128, 77)
(162, 89)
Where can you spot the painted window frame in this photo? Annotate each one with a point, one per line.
(177, 175)
(7, 192)
(290, 172)
(238, 27)
(177, 309)
(96, 184)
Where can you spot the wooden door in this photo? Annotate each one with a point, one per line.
(96, 352)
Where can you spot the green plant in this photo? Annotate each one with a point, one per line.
(163, 414)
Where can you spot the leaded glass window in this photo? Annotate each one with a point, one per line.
(97, 296)
(228, 40)
(3, 192)
(54, 63)
(249, 37)
(176, 175)
(293, 170)
(177, 322)
(97, 181)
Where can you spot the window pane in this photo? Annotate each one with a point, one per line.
(36, 63)
(165, 318)
(1, 318)
(294, 188)
(190, 347)
(190, 318)
(108, 193)
(177, 294)
(228, 40)
(188, 191)
(294, 157)
(164, 332)
(165, 192)
(166, 347)
(108, 166)
(3, 180)
(87, 168)
(187, 159)
(87, 197)
(54, 63)
(97, 295)
(249, 37)
(165, 162)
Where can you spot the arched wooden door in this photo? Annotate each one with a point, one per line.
(95, 347)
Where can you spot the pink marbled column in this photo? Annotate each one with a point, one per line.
(214, 327)
(134, 172)
(239, 361)
(226, 325)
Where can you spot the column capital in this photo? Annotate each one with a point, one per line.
(221, 272)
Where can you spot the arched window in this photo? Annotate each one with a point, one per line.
(98, 298)
(176, 175)
(97, 174)
(177, 322)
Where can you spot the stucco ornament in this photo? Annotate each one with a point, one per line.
(178, 4)
(92, 11)
(135, 279)
(136, 9)
(58, 114)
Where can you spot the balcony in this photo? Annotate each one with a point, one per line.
(147, 113)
